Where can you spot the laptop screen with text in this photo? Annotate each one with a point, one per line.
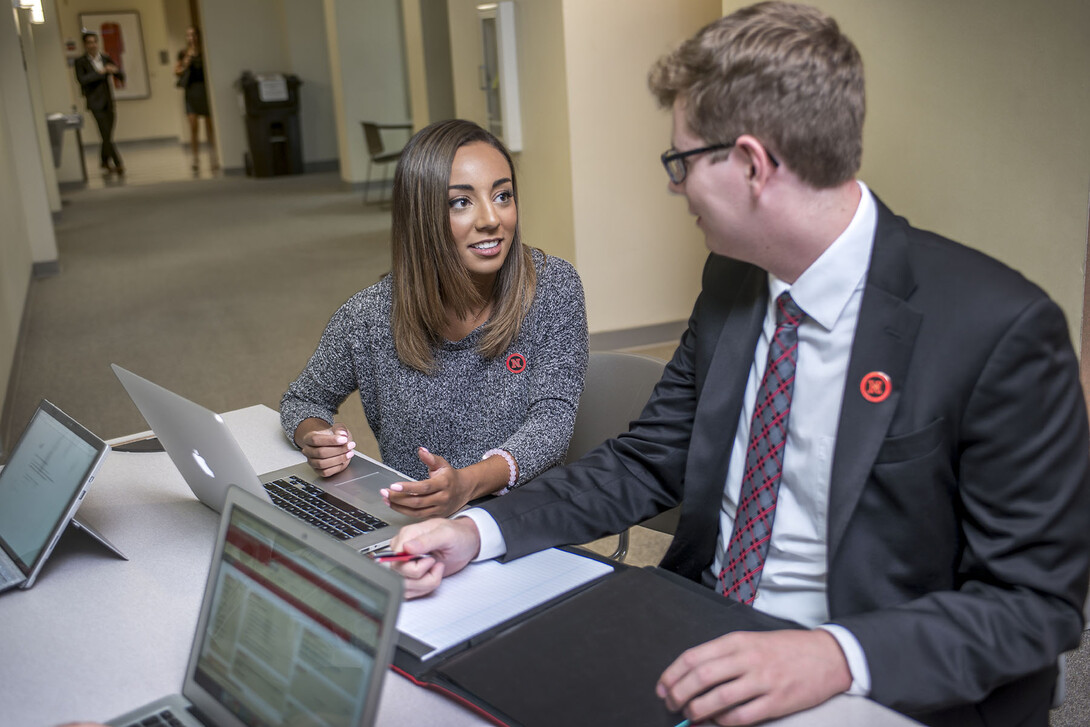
(47, 471)
(291, 635)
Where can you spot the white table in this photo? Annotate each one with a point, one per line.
(97, 636)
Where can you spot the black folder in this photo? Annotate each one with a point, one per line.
(592, 658)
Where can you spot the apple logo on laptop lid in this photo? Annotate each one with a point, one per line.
(203, 464)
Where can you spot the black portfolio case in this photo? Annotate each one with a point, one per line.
(591, 658)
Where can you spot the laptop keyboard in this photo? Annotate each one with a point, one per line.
(322, 510)
(165, 718)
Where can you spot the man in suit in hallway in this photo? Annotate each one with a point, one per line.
(870, 429)
(95, 72)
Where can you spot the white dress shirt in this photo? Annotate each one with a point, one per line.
(793, 582)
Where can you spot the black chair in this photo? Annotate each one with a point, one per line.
(616, 389)
(377, 154)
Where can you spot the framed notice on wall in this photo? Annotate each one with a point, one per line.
(120, 38)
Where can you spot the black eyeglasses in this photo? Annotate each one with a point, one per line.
(677, 169)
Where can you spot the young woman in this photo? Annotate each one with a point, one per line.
(469, 357)
(190, 72)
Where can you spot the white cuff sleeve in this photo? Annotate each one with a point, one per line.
(857, 660)
(492, 542)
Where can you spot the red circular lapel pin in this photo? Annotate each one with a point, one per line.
(876, 387)
(516, 363)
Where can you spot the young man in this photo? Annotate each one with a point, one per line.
(95, 72)
(871, 430)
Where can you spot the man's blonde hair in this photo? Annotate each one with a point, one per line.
(781, 72)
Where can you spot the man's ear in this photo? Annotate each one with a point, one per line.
(759, 165)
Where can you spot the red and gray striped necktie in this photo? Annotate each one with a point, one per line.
(748, 545)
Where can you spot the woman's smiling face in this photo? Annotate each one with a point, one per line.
(483, 214)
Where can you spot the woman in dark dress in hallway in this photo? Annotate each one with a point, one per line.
(190, 72)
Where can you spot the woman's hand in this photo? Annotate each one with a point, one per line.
(328, 449)
(445, 491)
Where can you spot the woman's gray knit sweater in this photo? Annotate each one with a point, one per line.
(471, 404)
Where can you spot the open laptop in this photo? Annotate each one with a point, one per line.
(41, 487)
(347, 505)
(294, 629)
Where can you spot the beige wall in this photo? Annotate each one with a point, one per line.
(415, 63)
(436, 38)
(154, 117)
(977, 120)
(308, 58)
(636, 247)
(428, 61)
(544, 164)
(465, 53)
(370, 83)
(39, 109)
(24, 205)
(55, 77)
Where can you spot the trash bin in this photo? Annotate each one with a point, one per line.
(271, 103)
(57, 124)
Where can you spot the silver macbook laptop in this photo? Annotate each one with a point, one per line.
(41, 487)
(347, 505)
(294, 629)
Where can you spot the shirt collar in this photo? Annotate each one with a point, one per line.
(824, 289)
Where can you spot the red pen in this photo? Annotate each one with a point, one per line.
(389, 556)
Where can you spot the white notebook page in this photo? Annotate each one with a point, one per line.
(485, 594)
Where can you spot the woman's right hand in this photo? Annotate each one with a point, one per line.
(328, 449)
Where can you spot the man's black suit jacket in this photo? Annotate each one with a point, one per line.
(95, 85)
(959, 513)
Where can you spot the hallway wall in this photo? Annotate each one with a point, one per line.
(370, 82)
(24, 205)
(636, 246)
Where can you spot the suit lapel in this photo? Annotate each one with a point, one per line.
(884, 340)
(716, 419)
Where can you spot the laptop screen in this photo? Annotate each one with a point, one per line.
(45, 473)
(291, 636)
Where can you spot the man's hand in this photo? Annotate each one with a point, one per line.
(746, 677)
(111, 68)
(450, 545)
(445, 491)
(327, 449)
